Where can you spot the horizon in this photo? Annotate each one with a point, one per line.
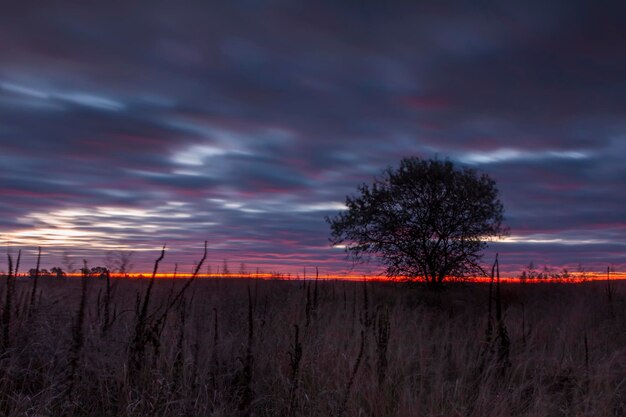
(572, 278)
(211, 269)
(124, 127)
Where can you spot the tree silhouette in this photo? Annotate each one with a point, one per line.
(57, 272)
(426, 220)
(119, 261)
(98, 272)
(68, 263)
(33, 272)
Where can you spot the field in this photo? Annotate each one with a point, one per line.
(244, 347)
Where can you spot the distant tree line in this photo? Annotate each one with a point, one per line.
(531, 272)
(58, 272)
(118, 261)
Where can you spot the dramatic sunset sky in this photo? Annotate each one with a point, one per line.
(130, 124)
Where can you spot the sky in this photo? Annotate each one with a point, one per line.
(126, 125)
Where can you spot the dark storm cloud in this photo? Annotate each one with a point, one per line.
(245, 123)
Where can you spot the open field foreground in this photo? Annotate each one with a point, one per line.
(286, 348)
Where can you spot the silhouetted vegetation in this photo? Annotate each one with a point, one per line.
(119, 261)
(532, 273)
(138, 347)
(426, 220)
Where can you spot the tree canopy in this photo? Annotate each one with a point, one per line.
(426, 220)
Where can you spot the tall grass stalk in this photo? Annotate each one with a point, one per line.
(78, 337)
(247, 393)
(33, 294)
(504, 343)
(295, 357)
(141, 337)
(8, 307)
(382, 332)
(355, 370)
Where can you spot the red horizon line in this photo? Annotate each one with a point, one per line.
(573, 278)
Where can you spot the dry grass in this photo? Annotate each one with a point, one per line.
(230, 348)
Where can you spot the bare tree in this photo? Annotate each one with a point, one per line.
(119, 261)
(68, 263)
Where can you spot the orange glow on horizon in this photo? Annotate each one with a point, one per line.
(574, 278)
